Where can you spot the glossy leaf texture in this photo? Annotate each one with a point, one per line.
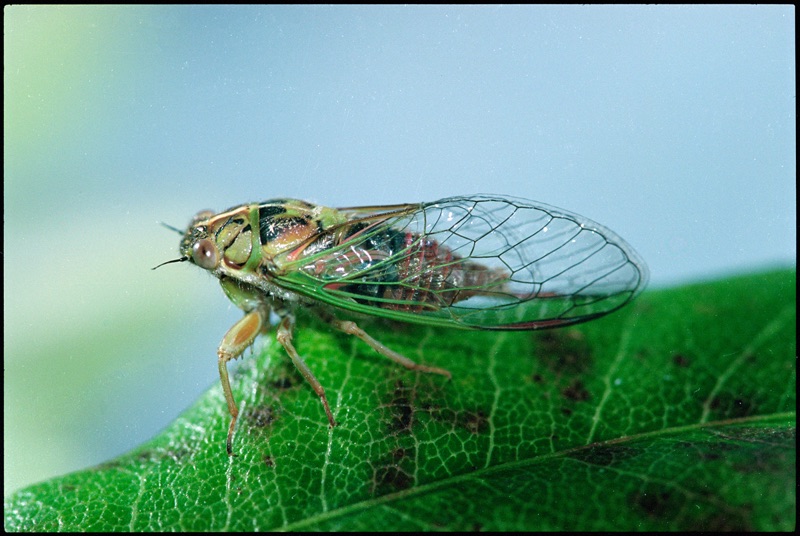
(676, 413)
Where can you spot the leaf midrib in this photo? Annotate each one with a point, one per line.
(432, 486)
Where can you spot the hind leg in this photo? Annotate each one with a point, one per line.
(351, 328)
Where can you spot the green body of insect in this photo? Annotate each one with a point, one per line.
(478, 262)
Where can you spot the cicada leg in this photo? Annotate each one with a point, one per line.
(284, 336)
(351, 328)
(233, 344)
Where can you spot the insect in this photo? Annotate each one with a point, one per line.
(472, 262)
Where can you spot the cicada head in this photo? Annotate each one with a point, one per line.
(219, 240)
(196, 245)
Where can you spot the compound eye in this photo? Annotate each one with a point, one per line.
(205, 254)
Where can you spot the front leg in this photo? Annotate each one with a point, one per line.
(236, 341)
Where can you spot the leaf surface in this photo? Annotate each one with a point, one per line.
(676, 413)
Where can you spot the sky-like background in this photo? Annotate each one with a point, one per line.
(673, 126)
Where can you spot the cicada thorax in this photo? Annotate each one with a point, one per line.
(288, 224)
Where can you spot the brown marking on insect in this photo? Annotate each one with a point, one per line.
(287, 229)
(251, 324)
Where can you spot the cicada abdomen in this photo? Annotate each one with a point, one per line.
(397, 269)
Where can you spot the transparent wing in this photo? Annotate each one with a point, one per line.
(482, 262)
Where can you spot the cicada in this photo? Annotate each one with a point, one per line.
(473, 262)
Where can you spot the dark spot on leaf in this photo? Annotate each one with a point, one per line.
(537, 378)
(429, 407)
(261, 416)
(729, 406)
(742, 407)
(566, 411)
(476, 422)
(401, 412)
(680, 360)
(268, 461)
(707, 455)
(282, 383)
(177, 454)
(605, 455)
(443, 415)
(113, 464)
(756, 450)
(576, 392)
(720, 522)
(565, 352)
(656, 502)
(148, 456)
(473, 421)
(391, 478)
(765, 461)
(666, 505)
(718, 446)
(392, 470)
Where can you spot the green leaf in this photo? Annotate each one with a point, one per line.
(676, 413)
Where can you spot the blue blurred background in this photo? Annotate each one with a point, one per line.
(674, 126)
